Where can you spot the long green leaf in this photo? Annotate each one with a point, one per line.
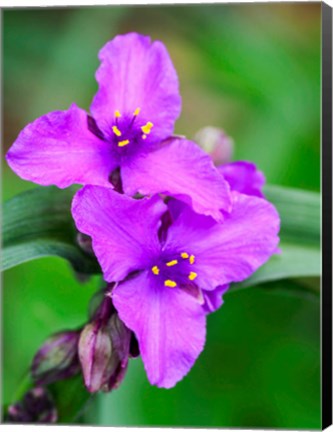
(38, 223)
(292, 262)
(299, 211)
(300, 254)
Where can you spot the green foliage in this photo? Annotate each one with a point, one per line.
(38, 223)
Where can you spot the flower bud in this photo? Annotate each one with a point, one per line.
(37, 406)
(104, 349)
(216, 143)
(57, 358)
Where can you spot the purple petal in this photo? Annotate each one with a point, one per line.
(213, 299)
(230, 251)
(135, 73)
(123, 230)
(58, 149)
(168, 323)
(179, 168)
(243, 177)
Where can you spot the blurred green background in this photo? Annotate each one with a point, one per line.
(251, 69)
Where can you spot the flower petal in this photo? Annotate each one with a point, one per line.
(179, 168)
(135, 73)
(213, 299)
(58, 149)
(168, 323)
(123, 230)
(243, 177)
(230, 251)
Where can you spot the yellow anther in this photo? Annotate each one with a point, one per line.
(172, 263)
(192, 259)
(147, 128)
(155, 270)
(123, 143)
(117, 114)
(137, 111)
(170, 283)
(116, 131)
(192, 275)
(184, 255)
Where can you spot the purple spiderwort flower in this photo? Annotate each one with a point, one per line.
(243, 177)
(129, 134)
(171, 266)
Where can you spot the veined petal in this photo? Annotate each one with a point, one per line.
(135, 73)
(58, 149)
(123, 230)
(169, 324)
(230, 251)
(243, 177)
(179, 168)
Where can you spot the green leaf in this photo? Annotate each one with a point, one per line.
(300, 254)
(38, 223)
(293, 262)
(299, 211)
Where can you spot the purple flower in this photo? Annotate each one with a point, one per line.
(171, 266)
(243, 177)
(129, 134)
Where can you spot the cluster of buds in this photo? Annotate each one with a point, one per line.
(100, 349)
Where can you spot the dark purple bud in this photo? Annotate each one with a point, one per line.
(57, 358)
(216, 143)
(37, 406)
(104, 349)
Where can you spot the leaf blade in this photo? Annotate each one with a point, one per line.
(38, 223)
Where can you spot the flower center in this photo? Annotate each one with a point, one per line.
(127, 129)
(177, 271)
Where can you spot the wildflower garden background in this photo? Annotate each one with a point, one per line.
(253, 71)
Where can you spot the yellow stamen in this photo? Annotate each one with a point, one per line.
(147, 128)
(137, 111)
(172, 263)
(192, 259)
(170, 283)
(184, 255)
(123, 143)
(192, 275)
(116, 131)
(155, 270)
(117, 114)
